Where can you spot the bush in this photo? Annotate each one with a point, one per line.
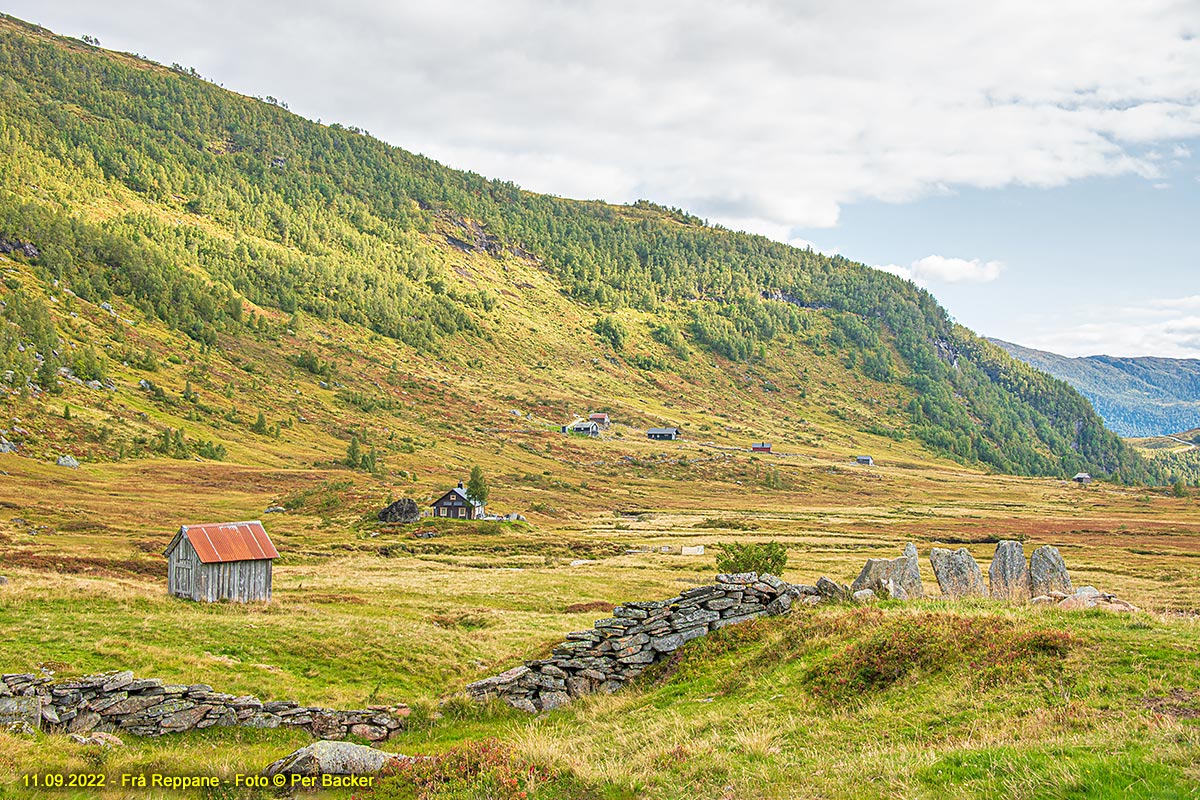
(476, 769)
(757, 557)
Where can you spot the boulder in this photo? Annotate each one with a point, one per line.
(898, 578)
(1089, 597)
(68, 461)
(332, 758)
(832, 590)
(404, 510)
(1008, 575)
(864, 596)
(958, 575)
(1048, 572)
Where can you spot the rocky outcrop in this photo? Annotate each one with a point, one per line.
(638, 634)
(832, 590)
(957, 573)
(117, 701)
(18, 247)
(1008, 575)
(332, 758)
(403, 510)
(1048, 572)
(68, 461)
(1088, 597)
(897, 578)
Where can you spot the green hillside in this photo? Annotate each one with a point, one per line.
(1135, 396)
(234, 271)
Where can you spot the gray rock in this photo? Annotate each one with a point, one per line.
(958, 575)
(68, 461)
(374, 733)
(553, 700)
(831, 590)
(332, 758)
(1048, 572)
(668, 643)
(22, 714)
(864, 596)
(1008, 576)
(521, 704)
(404, 510)
(898, 578)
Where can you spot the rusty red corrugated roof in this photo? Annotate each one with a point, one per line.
(230, 541)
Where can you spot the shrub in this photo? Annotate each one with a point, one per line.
(757, 557)
(476, 769)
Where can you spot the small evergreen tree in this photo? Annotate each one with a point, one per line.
(354, 453)
(260, 424)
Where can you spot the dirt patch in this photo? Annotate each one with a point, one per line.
(1178, 703)
(84, 565)
(595, 605)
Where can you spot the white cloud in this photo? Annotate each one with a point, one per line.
(1169, 328)
(939, 269)
(763, 114)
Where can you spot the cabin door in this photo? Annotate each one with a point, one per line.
(183, 577)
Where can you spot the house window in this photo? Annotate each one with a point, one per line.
(442, 511)
(462, 512)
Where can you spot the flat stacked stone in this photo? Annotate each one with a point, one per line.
(638, 634)
(118, 701)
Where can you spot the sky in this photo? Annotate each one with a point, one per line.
(1035, 165)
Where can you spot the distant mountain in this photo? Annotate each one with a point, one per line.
(1135, 396)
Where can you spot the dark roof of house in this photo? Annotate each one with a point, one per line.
(663, 430)
(458, 490)
(219, 542)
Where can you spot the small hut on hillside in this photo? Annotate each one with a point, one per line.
(1083, 478)
(221, 561)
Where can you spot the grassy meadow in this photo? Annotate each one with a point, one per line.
(365, 613)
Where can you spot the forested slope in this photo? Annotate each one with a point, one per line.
(1135, 396)
(151, 186)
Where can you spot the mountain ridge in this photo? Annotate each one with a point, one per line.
(1136, 396)
(232, 223)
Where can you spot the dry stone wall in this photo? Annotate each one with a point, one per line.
(119, 702)
(638, 634)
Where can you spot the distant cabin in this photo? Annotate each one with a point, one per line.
(663, 433)
(585, 427)
(1082, 477)
(760, 447)
(457, 505)
(221, 561)
(866, 461)
(600, 419)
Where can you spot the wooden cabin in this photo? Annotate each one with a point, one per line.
(760, 447)
(866, 461)
(663, 433)
(585, 427)
(455, 504)
(601, 419)
(221, 561)
(1083, 478)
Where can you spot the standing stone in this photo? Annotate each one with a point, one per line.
(1008, 576)
(1048, 572)
(958, 575)
(898, 578)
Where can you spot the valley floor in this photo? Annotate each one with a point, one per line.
(365, 614)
